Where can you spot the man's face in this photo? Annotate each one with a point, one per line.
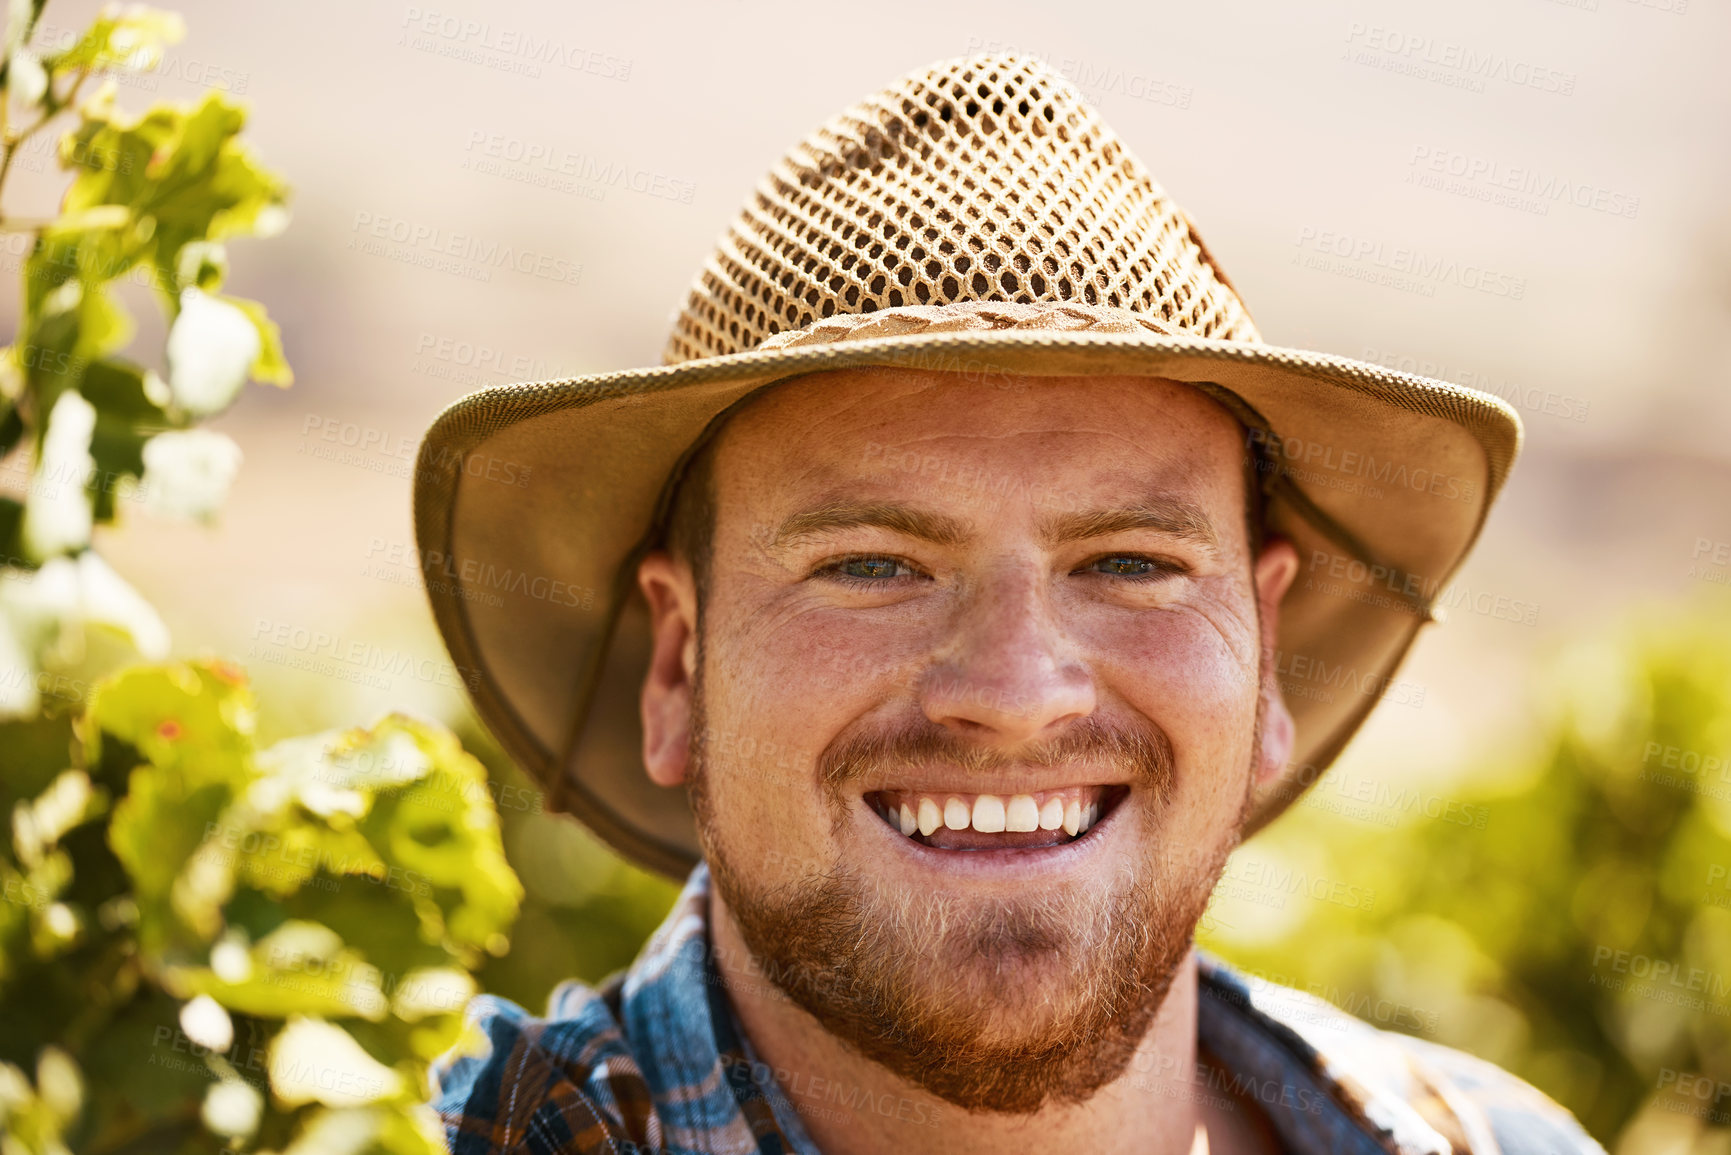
(973, 717)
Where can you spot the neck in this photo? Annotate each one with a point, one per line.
(852, 1106)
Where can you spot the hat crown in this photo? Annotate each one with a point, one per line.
(983, 179)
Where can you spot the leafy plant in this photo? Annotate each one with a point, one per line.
(1567, 915)
(204, 945)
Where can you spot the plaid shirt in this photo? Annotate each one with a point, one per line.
(655, 1062)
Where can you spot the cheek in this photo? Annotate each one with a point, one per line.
(818, 667)
(777, 689)
(1178, 669)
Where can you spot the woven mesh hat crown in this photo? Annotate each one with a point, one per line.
(986, 179)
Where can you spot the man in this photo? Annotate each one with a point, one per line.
(937, 609)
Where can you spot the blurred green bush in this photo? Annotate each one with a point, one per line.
(1565, 914)
(585, 912)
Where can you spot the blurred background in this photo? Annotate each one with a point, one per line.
(1527, 859)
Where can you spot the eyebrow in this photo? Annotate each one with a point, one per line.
(936, 528)
(1165, 515)
(1168, 516)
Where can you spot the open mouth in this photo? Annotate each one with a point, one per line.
(957, 821)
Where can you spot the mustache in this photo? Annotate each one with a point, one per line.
(1140, 747)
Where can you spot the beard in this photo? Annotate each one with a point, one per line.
(991, 1003)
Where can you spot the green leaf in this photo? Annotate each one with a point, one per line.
(157, 828)
(11, 427)
(11, 545)
(121, 391)
(126, 417)
(131, 39)
(183, 170)
(196, 716)
(443, 828)
(192, 726)
(271, 367)
(300, 968)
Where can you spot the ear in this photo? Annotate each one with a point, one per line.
(1276, 567)
(671, 591)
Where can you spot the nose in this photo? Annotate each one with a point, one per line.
(1007, 673)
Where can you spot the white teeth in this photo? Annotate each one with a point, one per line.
(989, 814)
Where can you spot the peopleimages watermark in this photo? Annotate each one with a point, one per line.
(1389, 587)
(1371, 1008)
(20, 892)
(19, 250)
(1094, 78)
(364, 986)
(1382, 803)
(1446, 62)
(1266, 882)
(1687, 770)
(258, 1066)
(1528, 188)
(34, 478)
(376, 450)
(436, 789)
(460, 254)
(132, 72)
(1718, 892)
(395, 572)
(562, 170)
(814, 1096)
(1662, 980)
(55, 684)
(36, 153)
(1711, 561)
(1669, 7)
(479, 580)
(1398, 267)
(1356, 470)
(1217, 1086)
(1304, 676)
(475, 363)
(502, 47)
(268, 853)
(968, 479)
(1690, 1094)
(349, 659)
(1546, 402)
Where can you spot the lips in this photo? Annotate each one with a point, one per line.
(956, 820)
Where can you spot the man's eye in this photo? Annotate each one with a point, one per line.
(1130, 566)
(869, 568)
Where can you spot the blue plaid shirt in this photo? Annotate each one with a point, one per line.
(655, 1062)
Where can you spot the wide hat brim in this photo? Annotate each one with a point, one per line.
(534, 502)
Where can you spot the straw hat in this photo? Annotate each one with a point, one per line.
(976, 216)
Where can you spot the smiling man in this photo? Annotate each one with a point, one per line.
(946, 611)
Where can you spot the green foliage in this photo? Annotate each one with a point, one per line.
(152, 198)
(287, 931)
(1566, 914)
(586, 910)
(204, 945)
